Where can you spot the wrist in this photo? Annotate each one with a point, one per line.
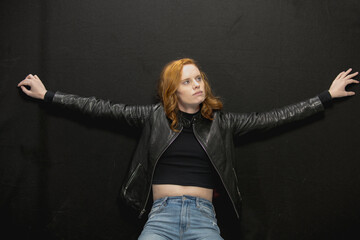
(42, 95)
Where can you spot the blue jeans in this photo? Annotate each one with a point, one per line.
(181, 218)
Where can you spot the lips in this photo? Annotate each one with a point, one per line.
(198, 93)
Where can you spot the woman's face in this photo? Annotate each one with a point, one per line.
(191, 92)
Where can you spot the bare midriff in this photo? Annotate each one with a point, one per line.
(171, 190)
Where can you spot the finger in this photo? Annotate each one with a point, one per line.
(24, 89)
(339, 75)
(352, 75)
(343, 74)
(347, 72)
(350, 93)
(351, 81)
(30, 76)
(24, 82)
(36, 77)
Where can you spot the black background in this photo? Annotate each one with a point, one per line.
(60, 172)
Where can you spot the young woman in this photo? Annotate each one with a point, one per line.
(185, 146)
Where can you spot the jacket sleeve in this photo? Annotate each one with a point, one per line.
(242, 123)
(134, 116)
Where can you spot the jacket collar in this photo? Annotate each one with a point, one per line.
(186, 119)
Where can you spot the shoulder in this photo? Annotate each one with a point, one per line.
(157, 109)
(220, 115)
(158, 106)
(228, 119)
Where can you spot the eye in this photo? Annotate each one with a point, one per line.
(186, 82)
(198, 78)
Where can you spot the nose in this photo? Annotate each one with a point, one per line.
(195, 84)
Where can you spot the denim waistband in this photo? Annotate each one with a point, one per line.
(180, 199)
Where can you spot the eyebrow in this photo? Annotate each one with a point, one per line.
(189, 78)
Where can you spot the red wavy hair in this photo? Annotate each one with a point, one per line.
(168, 84)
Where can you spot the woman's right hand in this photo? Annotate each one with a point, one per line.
(37, 88)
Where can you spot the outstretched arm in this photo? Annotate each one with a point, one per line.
(133, 115)
(245, 122)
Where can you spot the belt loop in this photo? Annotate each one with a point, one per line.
(197, 202)
(165, 201)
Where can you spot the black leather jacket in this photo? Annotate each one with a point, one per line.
(216, 137)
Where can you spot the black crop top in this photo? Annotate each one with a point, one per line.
(185, 162)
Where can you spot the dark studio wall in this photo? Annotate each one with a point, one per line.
(60, 172)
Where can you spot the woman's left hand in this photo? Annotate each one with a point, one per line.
(337, 88)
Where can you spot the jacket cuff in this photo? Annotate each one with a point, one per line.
(325, 98)
(49, 95)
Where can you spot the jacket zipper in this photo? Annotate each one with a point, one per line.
(237, 183)
(131, 178)
(195, 134)
(152, 174)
